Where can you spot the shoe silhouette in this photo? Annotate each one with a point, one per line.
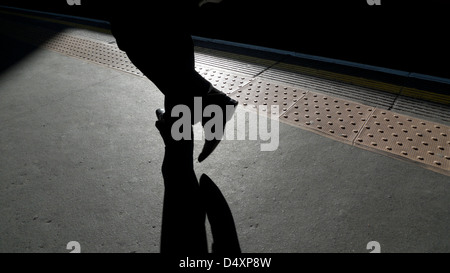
(216, 97)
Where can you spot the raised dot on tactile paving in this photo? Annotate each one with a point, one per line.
(420, 158)
(388, 148)
(437, 163)
(404, 153)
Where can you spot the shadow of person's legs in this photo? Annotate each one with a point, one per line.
(225, 238)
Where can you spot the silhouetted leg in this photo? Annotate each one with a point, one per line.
(183, 222)
(168, 61)
(165, 55)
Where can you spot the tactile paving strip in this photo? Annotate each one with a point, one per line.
(223, 80)
(333, 117)
(100, 53)
(409, 138)
(247, 65)
(268, 93)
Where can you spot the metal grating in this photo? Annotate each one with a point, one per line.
(409, 138)
(268, 93)
(336, 118)
(430, 110)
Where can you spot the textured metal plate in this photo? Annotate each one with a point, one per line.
(223, 80)
(333, 117)
(268, 93)
(409, 138)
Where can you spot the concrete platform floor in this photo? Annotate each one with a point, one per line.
(80, 160)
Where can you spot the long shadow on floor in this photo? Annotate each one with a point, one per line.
(187, 202)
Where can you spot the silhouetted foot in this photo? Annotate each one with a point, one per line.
(216, 97)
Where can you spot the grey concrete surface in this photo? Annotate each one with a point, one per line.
(80, 160)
